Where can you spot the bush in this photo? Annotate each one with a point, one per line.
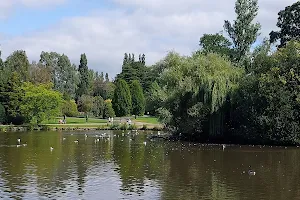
(69, 109)
(2, 114)
(132, 127)
(18, 120)
(124, 126)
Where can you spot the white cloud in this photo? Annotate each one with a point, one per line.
(150, 27)
(7, 6)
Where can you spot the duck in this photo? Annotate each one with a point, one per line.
(251, 172)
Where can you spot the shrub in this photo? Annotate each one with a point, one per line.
(69, 109)
(18, 120)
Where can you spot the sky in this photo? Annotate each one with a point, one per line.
(106, 29)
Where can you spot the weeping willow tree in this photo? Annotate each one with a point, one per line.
(196, 90)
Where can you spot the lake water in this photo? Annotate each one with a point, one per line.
(122, 166)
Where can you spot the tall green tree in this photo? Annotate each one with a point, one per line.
(85, 103)
(243, 32)
(83, 88)
(11, 95)
(39, 73)
(98, 106)
(193, 94)
(216, 43)
(122, 102)
(40, 102)
(268, 101)
(137, 97)
(66, 79)
(289, 25)
(108, 109)
(1, 62)
(18, 62)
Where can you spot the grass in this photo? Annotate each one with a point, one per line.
(149, 120)
(75, 120)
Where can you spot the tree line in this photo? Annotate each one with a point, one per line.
(225, 91)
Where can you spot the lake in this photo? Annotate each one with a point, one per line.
(120, 165)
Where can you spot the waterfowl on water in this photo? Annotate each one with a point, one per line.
(223, 146)
(251, 172)
(19, 140)
(51, 148)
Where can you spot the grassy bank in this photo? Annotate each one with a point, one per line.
(77, 123)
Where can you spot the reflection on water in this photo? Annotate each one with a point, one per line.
(119, 165)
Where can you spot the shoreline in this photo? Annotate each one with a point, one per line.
(79, 127)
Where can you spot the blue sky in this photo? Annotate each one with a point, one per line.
(106, 29)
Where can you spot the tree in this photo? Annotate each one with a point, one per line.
(39, 73)
(268, 102)
(289, 25)
(18, 62)
(108, 109)
(243, 32)
(11, 95)
(122, 103)
(1, 62)
(193, 94)
(137, 97)
(40, 102)
(69, 108)
(98, 106)
(83, 87)
(66, 79)
(216, 43)
(2, 114)
(85, 103)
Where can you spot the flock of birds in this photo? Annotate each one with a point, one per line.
(108, 136)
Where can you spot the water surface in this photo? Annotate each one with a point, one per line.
(121, 166)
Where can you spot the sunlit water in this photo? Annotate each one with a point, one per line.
(122, 166)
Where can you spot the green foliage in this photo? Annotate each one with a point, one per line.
(268, 102)
(122, 102)
(134, 70)
(2, 114)
(194, 89)
(216, 43)
(39, 73)
(137, 97)
(18, 62)
(108, 109)
(98, 106)
(66, 79)
(69, 108)
(83, 88)
(289, 25)
(40, 102)
(11, 95)
(63, 75)
(85, 103)
(243, 32)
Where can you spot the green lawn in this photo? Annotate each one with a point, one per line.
(94, 121)
(150, 120)
(75, 120)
